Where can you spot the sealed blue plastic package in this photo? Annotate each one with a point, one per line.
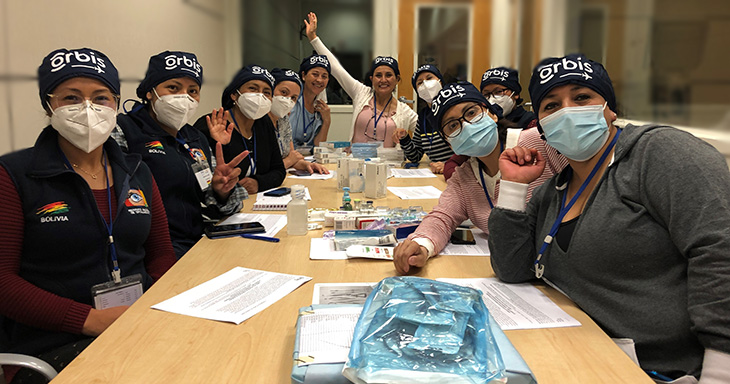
(415, 330)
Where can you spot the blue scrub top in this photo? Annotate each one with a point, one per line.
(313, 123)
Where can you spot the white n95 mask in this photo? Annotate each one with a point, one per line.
(87, 126)
(174, 111)
(429, 89)
(507, 103)
(281, 106)
(253, 105)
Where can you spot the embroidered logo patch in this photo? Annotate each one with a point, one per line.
(136, 203)
(198, 153)
(155, 147)
(53, 212)
(135, 198)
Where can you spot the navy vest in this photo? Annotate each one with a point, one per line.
(65, 243)
(171, 164)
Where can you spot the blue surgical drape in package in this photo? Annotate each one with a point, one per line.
(415, 330)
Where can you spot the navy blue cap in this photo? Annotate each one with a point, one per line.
(457, 93)
(63, 64)
(170, 65)
(283, 74)
(387, 61)
(425, 68)
(314, 61)
(244, 75)
(572, 69)
(502, 75)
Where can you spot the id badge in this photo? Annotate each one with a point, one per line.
(109, 294)
(203, 174)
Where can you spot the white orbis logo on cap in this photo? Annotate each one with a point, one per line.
(421, 68)
(291, 73)
(77, 59)
(319, 60)
(262, 71)
(547, 72)
(384, 60)
(184, 63)
(445, 95)
(501, 74)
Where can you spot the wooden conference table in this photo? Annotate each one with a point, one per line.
(151, 346)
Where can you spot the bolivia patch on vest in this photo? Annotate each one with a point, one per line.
(136, 203)
(155, 147)
(53, 212)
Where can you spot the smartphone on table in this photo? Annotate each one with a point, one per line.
(463, 236)
(278, 192)
(299, 172)
(214, 231)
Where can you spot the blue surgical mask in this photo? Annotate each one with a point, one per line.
(476, 139)
(576, 132)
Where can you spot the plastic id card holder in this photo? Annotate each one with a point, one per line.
(110, 294)
(203, 174)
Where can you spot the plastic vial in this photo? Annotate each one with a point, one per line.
(296, 212)
(345, 194)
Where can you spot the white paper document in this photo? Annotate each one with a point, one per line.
(416, 173)
(518, 306)
(481, 248)
(325, 335)
(315, 176)
(408, 193)
(272, 223)
(324, 249)
(233, 296)
(341, 293)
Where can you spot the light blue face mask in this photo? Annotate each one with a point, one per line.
(576, 132)
(476, 139)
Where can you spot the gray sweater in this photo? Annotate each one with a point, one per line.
(650, 255)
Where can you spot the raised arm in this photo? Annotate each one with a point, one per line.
(348, 83)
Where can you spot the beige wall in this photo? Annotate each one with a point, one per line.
(129, 32)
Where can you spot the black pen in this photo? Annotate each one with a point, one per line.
(257, 237)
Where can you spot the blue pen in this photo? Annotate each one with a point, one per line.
(657, 375)
(257, 237)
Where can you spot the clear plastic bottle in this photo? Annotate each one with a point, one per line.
(296, 212)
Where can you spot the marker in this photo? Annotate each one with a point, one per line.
(257, 237)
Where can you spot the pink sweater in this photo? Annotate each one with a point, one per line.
(464, 196)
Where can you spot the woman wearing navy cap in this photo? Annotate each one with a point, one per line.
(179, 155)
(310, 118)
(639, 223)
(286, 93)
(468, 123)
(377, 113)
(427, 81)
(247, 101)
(63, 200)
(501, 86)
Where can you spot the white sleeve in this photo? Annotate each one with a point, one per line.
(424, 242)
(715, 367)
(348, 83)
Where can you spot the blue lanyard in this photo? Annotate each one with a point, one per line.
(429, 135)
(375, 108)
(540, 268)
(306, 126)
(116, 272)
(255, 153)
(484, 186)
(190, 151)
